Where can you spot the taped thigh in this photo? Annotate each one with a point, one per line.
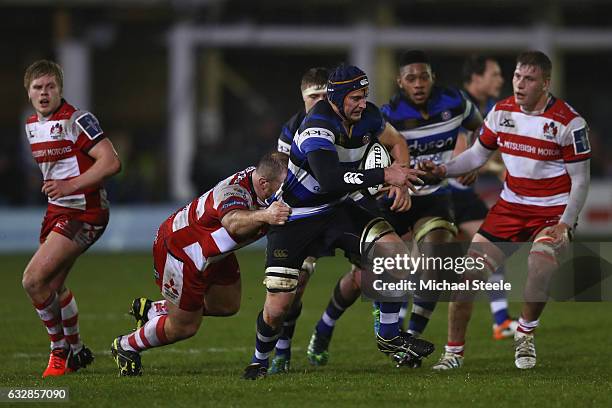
(373, 231)
(544, 245)
(432, 224)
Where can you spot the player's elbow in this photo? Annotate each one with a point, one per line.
(229, 223)
(328, 185)
(114, 166)
(233, 232)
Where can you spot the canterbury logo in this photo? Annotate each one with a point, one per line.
(353, 178)
(281, 253)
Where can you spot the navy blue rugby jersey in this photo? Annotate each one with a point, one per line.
(322, 129)
(490, 103)
(288, 131)
(431, 136)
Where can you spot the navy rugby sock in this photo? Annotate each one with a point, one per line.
(421, 313)
(283, 346)
(389, 320)
(335, 308)
(265, 340)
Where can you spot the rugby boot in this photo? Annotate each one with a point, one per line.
(128, 361)
(317, 352)
(505, 330)
(254, 371)
(79, 360)
(448, 361)
(57, 363)
(140, 309)
(280, 365)
(525, 353)
(405, 343)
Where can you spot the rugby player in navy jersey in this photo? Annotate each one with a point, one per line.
(323, 170)
(313, 87)
(429, 118)
(482, 83)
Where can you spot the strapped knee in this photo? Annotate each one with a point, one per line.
(432, 224)
(544, 246)
(490, 265)
(373, 231)
(280, 279)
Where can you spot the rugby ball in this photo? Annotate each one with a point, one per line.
(376, 157)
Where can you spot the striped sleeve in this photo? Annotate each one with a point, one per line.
(284, 140)
(469, 110)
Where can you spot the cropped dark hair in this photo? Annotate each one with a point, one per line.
(536, 59)
(314, 76)
(475, 65)
(413, 57)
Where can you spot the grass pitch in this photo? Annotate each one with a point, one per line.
(573, 344)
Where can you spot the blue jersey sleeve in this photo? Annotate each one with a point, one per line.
(315, 138)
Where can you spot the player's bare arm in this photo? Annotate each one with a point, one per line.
(395, 143)
(106, 164)
(241, 223)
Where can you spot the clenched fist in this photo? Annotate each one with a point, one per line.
(277, 213)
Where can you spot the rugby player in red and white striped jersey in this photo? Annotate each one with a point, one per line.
(545, 148)
(195, 267)
(74, 157)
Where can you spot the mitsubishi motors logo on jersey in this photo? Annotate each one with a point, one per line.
(170, 290)
(57, 131)
(550, 130)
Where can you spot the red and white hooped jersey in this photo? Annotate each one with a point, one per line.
(195, 231)
(535, 149)
(60, 145)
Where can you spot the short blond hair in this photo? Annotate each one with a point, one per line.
(273, 165)
(41, 68)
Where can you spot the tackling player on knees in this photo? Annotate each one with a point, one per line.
(195, 267)
(546, 151)
(75, 157)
